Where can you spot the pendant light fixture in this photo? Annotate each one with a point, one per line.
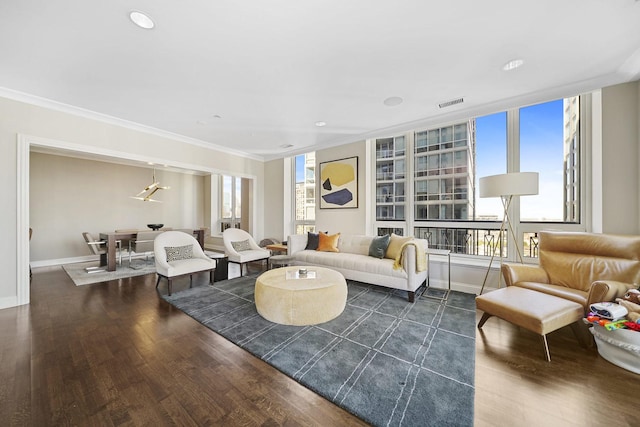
(150, 190)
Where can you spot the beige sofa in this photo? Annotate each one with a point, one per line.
(580, 267)
(354, 262)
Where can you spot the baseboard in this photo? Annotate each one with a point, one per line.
(63, 261)
(8, 302)
(73, 260)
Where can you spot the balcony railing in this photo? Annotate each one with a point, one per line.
(475, 241)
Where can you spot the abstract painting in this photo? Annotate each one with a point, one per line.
(339, 184)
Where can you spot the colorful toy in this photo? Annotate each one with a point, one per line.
(633, 326)
(619, 324)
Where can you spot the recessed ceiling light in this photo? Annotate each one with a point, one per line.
(513, 64)
(320, 124)
(393, 101)
(141, 20)
(286, 146)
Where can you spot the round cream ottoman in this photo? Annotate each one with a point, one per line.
(283, 296)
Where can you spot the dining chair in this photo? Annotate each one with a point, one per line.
(143, 244)
(97, 247)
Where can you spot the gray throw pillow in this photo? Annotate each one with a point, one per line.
(378, 246)
(312, 241)
(242, 245)
(175, 253)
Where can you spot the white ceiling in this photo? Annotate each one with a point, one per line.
(272, 68)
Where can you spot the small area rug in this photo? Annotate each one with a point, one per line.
(79, 275)
(385, 360)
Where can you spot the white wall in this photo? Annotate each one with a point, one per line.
(86, 195)
(619, 209)
(98, 136)
(274, 199)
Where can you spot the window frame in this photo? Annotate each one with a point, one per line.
(305, 224)
(233, 221)
(521, 228)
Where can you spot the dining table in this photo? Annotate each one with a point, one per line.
(108, 258)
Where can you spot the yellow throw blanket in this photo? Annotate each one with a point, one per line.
(421, 256)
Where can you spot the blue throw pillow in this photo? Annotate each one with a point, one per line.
(378, 246)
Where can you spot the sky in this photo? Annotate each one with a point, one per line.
(541, 150)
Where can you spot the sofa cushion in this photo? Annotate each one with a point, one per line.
(378, 247)
(571, 294)
(395, 245)
(328, 243)
(355, 244)
(347, 261)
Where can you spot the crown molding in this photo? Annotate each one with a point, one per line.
(104, 118)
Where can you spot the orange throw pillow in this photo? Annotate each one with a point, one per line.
(328, 243)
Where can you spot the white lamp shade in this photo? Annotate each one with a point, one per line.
(509, 184)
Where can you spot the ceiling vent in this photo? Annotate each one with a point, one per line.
(450, 103)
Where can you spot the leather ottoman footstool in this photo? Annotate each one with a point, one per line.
(532, 310)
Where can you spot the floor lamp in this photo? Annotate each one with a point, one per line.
(506, 186)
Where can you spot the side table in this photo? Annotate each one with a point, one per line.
(443, 252)
(222, 265)
(277, 248)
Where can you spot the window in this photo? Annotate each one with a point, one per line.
(441, 175)
(231, 206)
(390, 178)
(549, 145)
(447, 162)
(305, 192)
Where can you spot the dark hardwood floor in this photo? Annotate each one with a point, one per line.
(117, 354)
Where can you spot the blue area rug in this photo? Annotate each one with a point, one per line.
(385, 360)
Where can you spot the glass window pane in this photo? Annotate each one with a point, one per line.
(460, 132)
(305, 188)
(491, 159)
(449, 164)
(421, 142)
(446, 134)
(390, 177)
(238, 198)
(226, 196)
(547, 135)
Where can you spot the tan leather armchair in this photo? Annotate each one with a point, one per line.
(581, 267)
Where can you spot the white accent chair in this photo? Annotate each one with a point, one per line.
(232, 236)
(170, 269)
